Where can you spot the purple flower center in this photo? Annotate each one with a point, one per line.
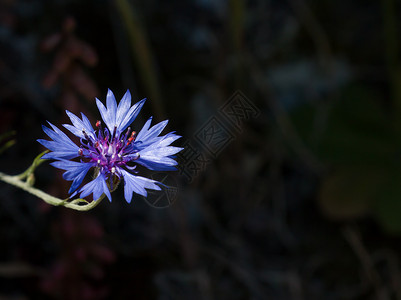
(108, 152)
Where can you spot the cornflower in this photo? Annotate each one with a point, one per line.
(113, 151)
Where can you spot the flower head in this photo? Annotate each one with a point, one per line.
(113, 151)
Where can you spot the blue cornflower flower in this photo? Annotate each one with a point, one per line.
(113, 151)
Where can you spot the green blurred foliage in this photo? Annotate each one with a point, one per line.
(359, 142)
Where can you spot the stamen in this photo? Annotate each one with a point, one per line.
(128, 131)
(106, 134)
(132, 138)
(85, 135)
(114, 132)
(106, 148)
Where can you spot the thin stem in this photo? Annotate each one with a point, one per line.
(36, 162)
(16, 181)
(25, 181)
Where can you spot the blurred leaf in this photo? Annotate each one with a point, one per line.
(141, 53)
(6, 135)
(388, 204)
(8, 144)
(359, 141)
(357, 131)
(350, 192)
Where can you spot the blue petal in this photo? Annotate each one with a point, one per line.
(59, 155)
(131, 115)
(137, 184)
(57, 135)
(147, 136)
(97, 186)
(51, 134)
(154, 150)
(105, 115)
(65, 164)
(159, 164)
(156, 129)
(162, 142)
(168, 139)
(59, 150)
(120, 116)
(80, 125)
(74, 130)
(61, 145)
(152, 154)
(76, 171)
(87, 123)
(62, 137)
(52, 145)
(111, 109)
(144, 129)
(123, 108)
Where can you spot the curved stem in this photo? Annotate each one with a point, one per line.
(36, 162)
(26, 185)
(16, 181)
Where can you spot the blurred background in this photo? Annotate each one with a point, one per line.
(289, 186)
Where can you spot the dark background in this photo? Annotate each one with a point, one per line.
(302, 200)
